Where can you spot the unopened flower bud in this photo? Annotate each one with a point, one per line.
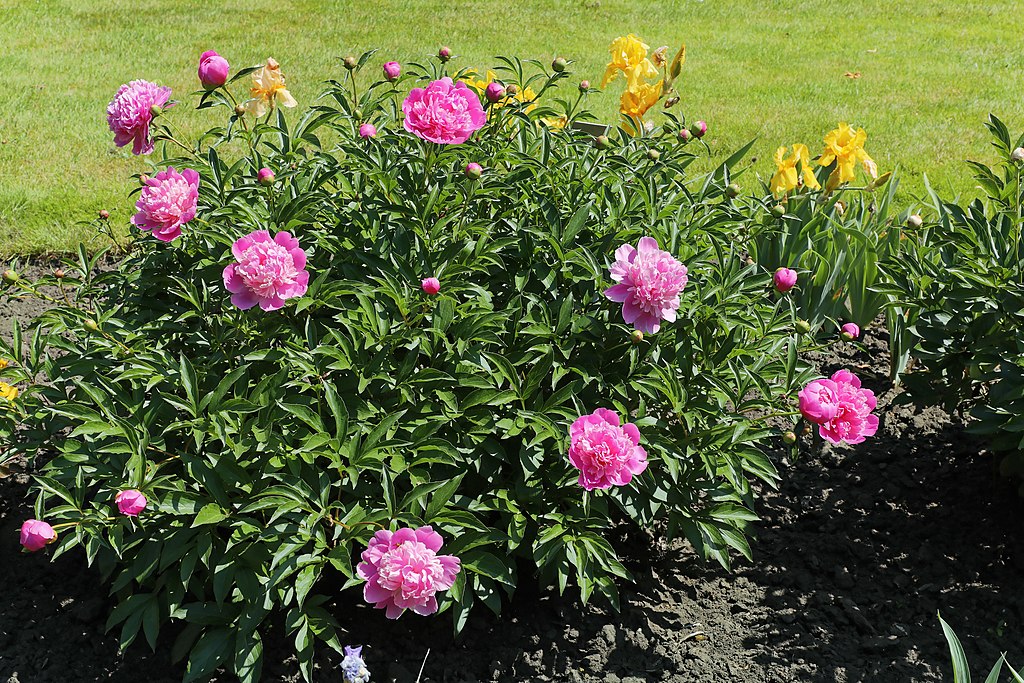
(602, 142)
(494, 92)
(749, 261)
(789, 438)
(653, 154)
(685, 135)
(444, 54)
(636, 337)
(914, 221)
(265, 177)
(1017, 154)
(59, 273)
(584, 86)
(732, 190)
(36, 535)
(473, 170)
(10, 277)
(671, 101)
(559, 65)
(700, 128)
(431, 285)
(91, 325)
(104, 214)
(850, 331)
(512, 90)
(392, 70)
(367, 130)
(350, 63)
(156, 110)
(239, 109)
(778, 211)
(803, 327)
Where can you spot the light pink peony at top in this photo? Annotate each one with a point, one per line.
(403, 571)
(443, 112)
(131, 111)
(167, 202)
(605, 453)
(840, 407)
(784, 279)
(650, 281)
(130, 502)
(268, 270)
(35, 535)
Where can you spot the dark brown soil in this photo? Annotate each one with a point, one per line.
(854, 557)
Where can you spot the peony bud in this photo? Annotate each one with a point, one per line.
(602, 142)
(444, 54)
(213, 70)
(156, 110)
(473, 170)
(914, 221)
(10, 277)
(91, 325)
(700, 128)
(1017, 154)
(636, 336)
(732, 190)
(36, 535)
(653, 154)
(789, 438)
(512, 90)
(559, 65)
(584, 86)
(685, 135)
(130, 502)
(671, 101)
(392, 70)
(431, 285)
(803, 327)
(367, 130)
(495, 92)
(851, 331)
(785, 279)
(350, 63)
(778, 211)
(239, 109)
(265, 177)
(104, 214)
(59, 274)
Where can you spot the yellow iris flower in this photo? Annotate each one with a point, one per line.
(628, 53)
(268, 89)
(845, 147)
(525, 95)
(786, 178)
(3, 363)
(555, 122)
(639, 96)
(8, 392)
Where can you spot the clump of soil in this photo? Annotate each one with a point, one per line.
(853, 558)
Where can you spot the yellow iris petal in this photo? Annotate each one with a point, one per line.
(844, 147)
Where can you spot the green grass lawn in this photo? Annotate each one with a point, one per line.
(772, 69)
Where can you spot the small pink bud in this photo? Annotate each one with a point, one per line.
(636, 336)
(700, 128)
(35, 535)
(584, 86)
(104, 214)
(367, 130)
(785, 279)
(265, 177)
(789, 438)
(213, 70)
(431, 285)
(685, 135)
(130, 502)
(851, 331)
(445, 53)
(474, 170)
(392, 70)
(495, 91)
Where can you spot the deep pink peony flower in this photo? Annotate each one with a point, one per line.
(853, 421)
(431, 285)
(268, 270)
(650, 281)
(367, 130)
(443, 112)
(605, 453)
(851, 329)
(130, 502)
(167, 202)
(35, 535)
(784, 279)
(819, 401)
(265, 177)
(131, 111)
(403, 571)
(392, 70)
(213, 70)
(494, 92)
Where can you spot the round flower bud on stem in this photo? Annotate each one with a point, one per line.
(700, 128)
(239, 110)
(559, 65)
(431, 285)
(789, 438)
(10, 277)
(732, 190)
(392, 70)
(653, 154)
(584, 86)
(512, 90)
(778, 211)
(636, 336)
(155, 110)
(59, 273)
(602, 142)
(91, 325)
(473, 170)
(914, 221)
(350, 63)
(1017, 154)
(104, 214)
(803, 327)
(265, 177)
(494, 92)
(444, 54)
(685, 135)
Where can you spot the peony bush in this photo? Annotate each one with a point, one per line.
(416, 343)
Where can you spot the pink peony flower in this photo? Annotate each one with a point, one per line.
(213, 70)
(851, 329)
(35, 535)
(367, 130)
(392, 70)
(785, 279)
(605, 453)
(167, 202)
(819, 401)
(853, 421)
(473, 170)
(494, 92)
(130, 502)
(443, 112)
(431, 285)
(403, 571)
(131, 111)
(265, 177)
(649, 282)
(700, 128)
(268, 271)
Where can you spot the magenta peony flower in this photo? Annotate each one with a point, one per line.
(265, 177)
(785, 279)
(851, 330)
(650, 281)
(167, 202)
(819, 401)
(700, 128)
(403, 571)
(392, 70)
(443, 112)
(605, 453)
(213, 70)
(131, 111)
(494, 92)
(367, 130)
(853, 422)
(268, 271)
(130, 502)
(35, 535)
(431, 285)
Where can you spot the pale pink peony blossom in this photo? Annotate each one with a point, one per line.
(443, 112)
(213, 70)
(130, 502)
(431, 285)
(403, 571)
(649, 282)
(267, 272)
(606, 453)
(167, 201)
(35, 535)
(131, 111)
(367, 130)
(784, 279)
(392, 70)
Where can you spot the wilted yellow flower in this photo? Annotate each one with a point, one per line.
(628, 52)
(3, 363)
(845, 147)
(786, 178)
(8, 392)
(525, 95)
(639, 96)
(268, 89)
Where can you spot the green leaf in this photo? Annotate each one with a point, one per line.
(209, 514)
